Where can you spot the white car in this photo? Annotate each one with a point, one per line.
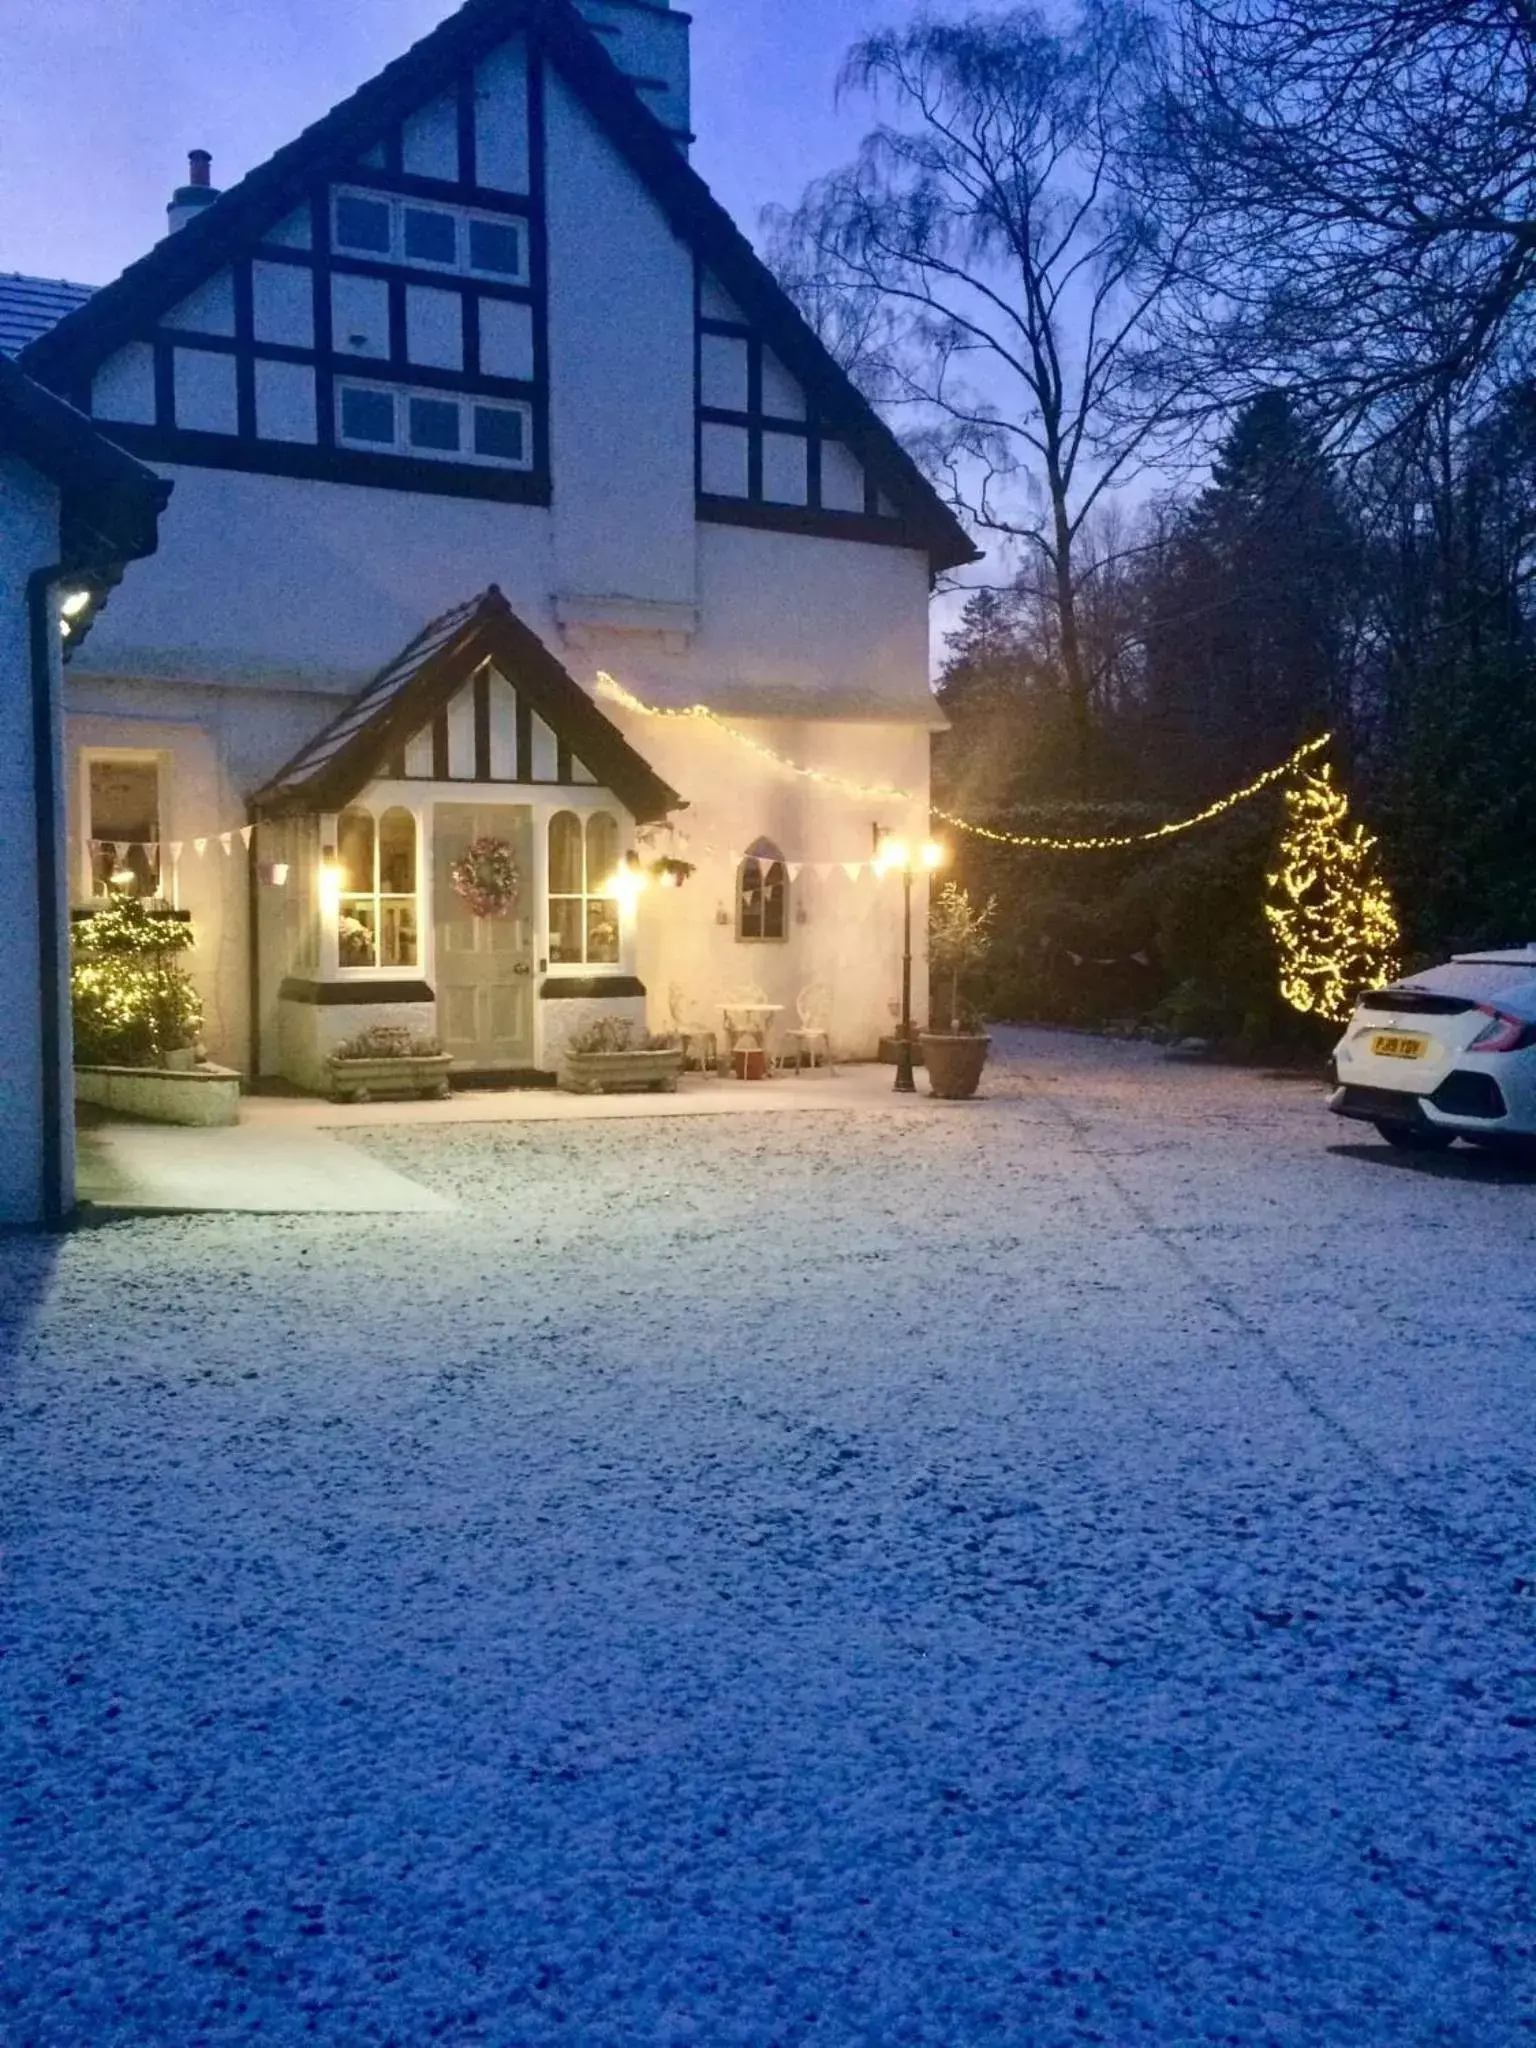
(1447, 1054)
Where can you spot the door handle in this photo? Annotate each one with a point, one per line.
(521, 967)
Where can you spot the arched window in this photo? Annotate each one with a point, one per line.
(377, 924)
(762, 894)
(583, 911)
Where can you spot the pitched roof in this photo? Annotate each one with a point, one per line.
(111, 504)
(114, 314)
(330, 770)
(29, 306)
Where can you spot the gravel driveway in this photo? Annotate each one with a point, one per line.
(1056, 1569)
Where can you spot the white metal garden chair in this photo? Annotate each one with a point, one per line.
(809, 1043)
(700, 1041)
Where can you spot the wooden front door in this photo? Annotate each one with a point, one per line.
(484, 964)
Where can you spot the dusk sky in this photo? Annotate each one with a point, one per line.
(103, 98)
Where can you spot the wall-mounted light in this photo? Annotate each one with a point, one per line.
(74, 603)
(629, 880)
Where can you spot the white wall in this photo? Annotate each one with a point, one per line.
(621, 356)
(29, 540)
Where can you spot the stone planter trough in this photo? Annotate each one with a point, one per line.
(199, 1095)
(396, 1076)
(602, 1073)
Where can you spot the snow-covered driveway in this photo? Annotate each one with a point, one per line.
(1057, 1569)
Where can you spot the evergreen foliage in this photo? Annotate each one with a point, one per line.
(132, 1000)
(1330, 911)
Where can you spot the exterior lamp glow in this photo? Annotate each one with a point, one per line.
(891, 854)
(330, 885)
(895, 854)
(75, 603)
(628, 881)
(934, 855)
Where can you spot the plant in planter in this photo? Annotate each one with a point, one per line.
(613, 1053)
(132, 1001)
(959, 935)
(388, 1060)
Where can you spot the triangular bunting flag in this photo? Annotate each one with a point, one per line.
(120, 850)
(199, 847)
(245, 834)
(225, 840)
(853, 869)
(792, 869)
(173, 848)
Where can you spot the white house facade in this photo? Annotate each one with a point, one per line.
(493, 443)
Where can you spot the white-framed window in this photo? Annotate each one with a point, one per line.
(443, 426)
(377, 914)
(431, 237)
(122, 812)
(583, 911)
(762, 895)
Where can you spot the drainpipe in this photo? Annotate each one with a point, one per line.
(46, 740)
(253, 949)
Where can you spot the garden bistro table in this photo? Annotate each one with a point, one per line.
(747, 1025)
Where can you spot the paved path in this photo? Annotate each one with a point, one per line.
(1052, 1570)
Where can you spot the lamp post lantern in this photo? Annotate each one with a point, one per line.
(894, 852)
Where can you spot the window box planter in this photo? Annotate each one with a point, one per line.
(954, 1060)
(603, 1073)
(198, 1095)
(390, 1076)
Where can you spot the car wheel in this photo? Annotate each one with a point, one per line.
(1417, 1137)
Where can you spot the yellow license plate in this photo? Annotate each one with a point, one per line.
(1399, 1045)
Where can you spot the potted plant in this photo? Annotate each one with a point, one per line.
(137, 1018)
(958, 937)
(613, 1053)
(388, 1060)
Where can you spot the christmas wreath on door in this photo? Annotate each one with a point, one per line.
(487, 878)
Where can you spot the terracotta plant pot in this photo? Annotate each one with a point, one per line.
(954, 1061)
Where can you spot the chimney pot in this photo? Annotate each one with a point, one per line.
(199, 165)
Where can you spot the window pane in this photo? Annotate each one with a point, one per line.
(496, 246)
(430, 237)
(749, 900)
(397, 853)
(354, 853)
(602, 851)
(602, 930)
(565, 855)
(499, 432)
(434, 423)
(368, 415)
(397, 931)
(775, 902)
(125, 805)
(362, 224)
(355, 944)
(565, 929)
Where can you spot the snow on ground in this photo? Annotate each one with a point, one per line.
(1056, 1569)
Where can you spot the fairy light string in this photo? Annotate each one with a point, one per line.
(1103, 842)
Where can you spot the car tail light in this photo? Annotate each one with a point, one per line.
(1502, 1033)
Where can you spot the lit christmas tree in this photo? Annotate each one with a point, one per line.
(1331, 912)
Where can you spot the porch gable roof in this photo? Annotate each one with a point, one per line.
(354, 748)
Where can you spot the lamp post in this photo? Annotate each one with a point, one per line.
(893, 852)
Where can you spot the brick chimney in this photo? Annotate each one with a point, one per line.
(188, 200)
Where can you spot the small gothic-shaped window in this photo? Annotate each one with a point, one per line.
(762, 894)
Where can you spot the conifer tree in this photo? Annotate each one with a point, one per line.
(1330, 910)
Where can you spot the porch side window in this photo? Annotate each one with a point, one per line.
(123, 832)
(377, 921)
(583, 916)
(762, 895)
